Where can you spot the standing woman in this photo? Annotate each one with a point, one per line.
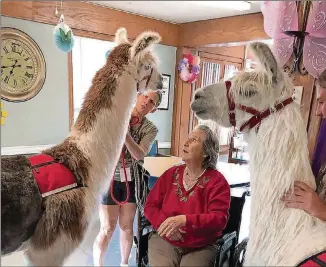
(138, 143)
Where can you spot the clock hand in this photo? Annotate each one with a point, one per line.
(13, 66)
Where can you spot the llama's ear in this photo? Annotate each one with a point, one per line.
(265, 56)
(121, 36)
(144, 42)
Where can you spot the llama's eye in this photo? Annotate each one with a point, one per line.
(247, 93)
(147, 67)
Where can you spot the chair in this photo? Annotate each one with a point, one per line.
(230, 235)
(154, 149)
(240, 252)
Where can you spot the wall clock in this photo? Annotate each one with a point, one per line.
(23, 67)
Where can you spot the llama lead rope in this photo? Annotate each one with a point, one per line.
(133, 121)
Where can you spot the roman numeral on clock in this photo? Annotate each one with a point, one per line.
(15, 83)
(28, 75)
(6, 79)
(5, 49)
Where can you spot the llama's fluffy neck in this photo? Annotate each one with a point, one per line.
(103, 144)
(278, 157)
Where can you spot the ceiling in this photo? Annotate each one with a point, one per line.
(179, 11)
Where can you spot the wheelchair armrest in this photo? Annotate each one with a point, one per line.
(226, 238)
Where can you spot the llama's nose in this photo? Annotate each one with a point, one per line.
(197, 96)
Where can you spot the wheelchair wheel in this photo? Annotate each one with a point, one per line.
(239, 254)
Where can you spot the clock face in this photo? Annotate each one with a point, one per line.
(18, 66)
(22, 75)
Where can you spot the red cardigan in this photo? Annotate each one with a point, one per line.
(206, 205)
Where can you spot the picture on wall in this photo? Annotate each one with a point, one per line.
(165, 92)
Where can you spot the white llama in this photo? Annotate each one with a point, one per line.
(52, 227)
(277, 138)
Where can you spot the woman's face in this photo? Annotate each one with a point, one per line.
(193, 148)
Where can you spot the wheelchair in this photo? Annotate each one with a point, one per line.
(226, 244)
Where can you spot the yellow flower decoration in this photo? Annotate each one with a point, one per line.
(4, 114)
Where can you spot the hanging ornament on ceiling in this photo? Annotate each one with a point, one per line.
(63, 35)
(189, 68)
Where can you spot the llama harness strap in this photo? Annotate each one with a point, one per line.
(51, 175)
(257, 117)
(318, 260)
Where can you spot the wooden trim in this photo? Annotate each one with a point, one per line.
(224, 30)
(221, 61)
(176, 122)
(17, 9)
(314, 123)
(90, 19)
(71, 90)
(228, 51)
(94, 35)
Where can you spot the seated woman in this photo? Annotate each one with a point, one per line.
(188, 206)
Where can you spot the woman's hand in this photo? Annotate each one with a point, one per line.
(306, 199)
(171, 225)
(176, 235)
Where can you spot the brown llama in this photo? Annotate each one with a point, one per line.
(50, 227)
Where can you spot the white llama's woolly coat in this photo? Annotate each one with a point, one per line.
(280, 236)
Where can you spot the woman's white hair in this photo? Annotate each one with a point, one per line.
(211, 147)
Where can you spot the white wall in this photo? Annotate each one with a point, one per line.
(44, 119)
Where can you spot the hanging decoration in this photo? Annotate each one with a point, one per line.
(307, 45)
(4, 114)
(189, 68)
(63, 35)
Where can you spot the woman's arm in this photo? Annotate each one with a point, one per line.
(155, 199)
(138, 152)
(218, 210)
(306, 199)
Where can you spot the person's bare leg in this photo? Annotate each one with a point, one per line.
(108, 218)
(126, 220)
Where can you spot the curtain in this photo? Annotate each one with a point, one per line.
(229, 71)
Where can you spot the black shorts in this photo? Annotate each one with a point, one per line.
(119, 193)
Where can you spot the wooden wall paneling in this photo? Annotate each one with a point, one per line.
(224, 30)
(307, 95)
(314, 122)
(91, 18)
(308, 102)
(181, 109)
(17, 9)
(185, 114)
(176, 121)
(229, 51)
